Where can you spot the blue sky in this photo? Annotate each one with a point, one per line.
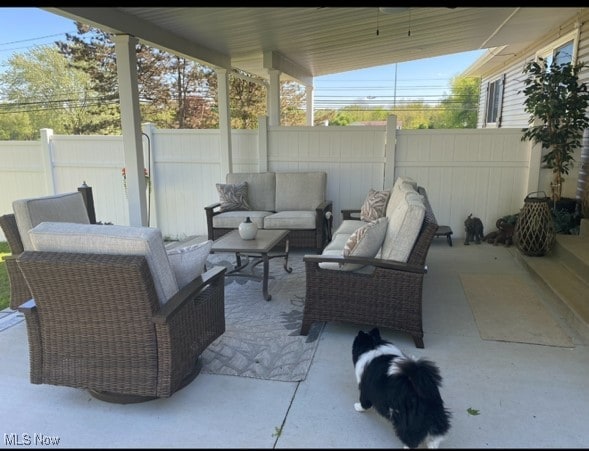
(426, 79)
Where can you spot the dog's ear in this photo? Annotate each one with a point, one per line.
(375, 333)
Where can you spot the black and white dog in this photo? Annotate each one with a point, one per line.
(402, 389)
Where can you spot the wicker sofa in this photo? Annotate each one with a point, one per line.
(383, 290)
(295, 201)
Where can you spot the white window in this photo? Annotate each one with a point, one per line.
(563, 50)
(494, 102)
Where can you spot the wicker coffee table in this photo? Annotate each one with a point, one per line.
(258, 248)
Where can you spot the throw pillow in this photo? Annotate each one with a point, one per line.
(233, 196)
(375, 205)
(365, 241)
(189, 262)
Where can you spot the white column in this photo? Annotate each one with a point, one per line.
(309, 93)
(390, 148)
(224, 121)
(274, 97)
(131, 125)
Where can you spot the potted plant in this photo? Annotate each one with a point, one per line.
(557, 105)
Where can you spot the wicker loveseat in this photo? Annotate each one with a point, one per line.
(376, 291)
(295, 201)
(108, 314)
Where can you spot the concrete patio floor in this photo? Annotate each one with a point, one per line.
(527, 396)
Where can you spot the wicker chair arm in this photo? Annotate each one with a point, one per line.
(347, 214)
(210, 212)
(212, 207)
(188, 293)
(377, 262)
(325, 206)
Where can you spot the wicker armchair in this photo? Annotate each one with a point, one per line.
(96, 323)
(19, 290)
(58, 207)
(390, 296)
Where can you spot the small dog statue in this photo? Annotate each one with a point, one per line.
(474, 230)
(504, 234)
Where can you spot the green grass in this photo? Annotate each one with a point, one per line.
(4, 284)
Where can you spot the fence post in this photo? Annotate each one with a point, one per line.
(47, 160)
(263, 144)
(390, 147)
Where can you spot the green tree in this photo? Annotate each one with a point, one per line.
(173, 91)
(292, 98)
(16, 126)
(40, 86)
(460, 108)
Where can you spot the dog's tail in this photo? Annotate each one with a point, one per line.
(423, 375)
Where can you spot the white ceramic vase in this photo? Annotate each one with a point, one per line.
(248, 229)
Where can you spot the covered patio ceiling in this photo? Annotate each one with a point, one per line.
(306, 42)
(294, 43)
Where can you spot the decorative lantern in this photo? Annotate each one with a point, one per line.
(248, 229)
(534, 232)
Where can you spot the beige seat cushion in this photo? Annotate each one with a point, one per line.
(292, 220)
(110, 239)
(66, 207)
(232, 219)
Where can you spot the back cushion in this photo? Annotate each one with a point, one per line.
(300, 190)
(110, 239)
(403, 228)
(261, 188)
(67, 207)
(400, 188)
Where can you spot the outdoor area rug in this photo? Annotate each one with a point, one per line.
(506, 309)
(262, 338)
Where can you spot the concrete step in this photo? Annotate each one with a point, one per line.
(573, 252)
(565, 273)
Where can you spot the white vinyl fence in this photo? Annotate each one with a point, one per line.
(486, 172)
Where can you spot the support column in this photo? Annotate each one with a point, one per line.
(390, 148)
(131, 126)
(274, 97)
(309, 94)
(224, 121)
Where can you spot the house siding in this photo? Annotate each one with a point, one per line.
(513, 114)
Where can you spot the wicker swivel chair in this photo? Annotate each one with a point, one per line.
(97, 322)
(65, 207)
(19, 290)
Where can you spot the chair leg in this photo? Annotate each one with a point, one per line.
(305, 328)
(418, 340)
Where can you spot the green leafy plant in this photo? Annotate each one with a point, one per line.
(472, 411)
(557, 105)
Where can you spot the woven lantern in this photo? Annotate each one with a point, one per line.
(534, 232)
